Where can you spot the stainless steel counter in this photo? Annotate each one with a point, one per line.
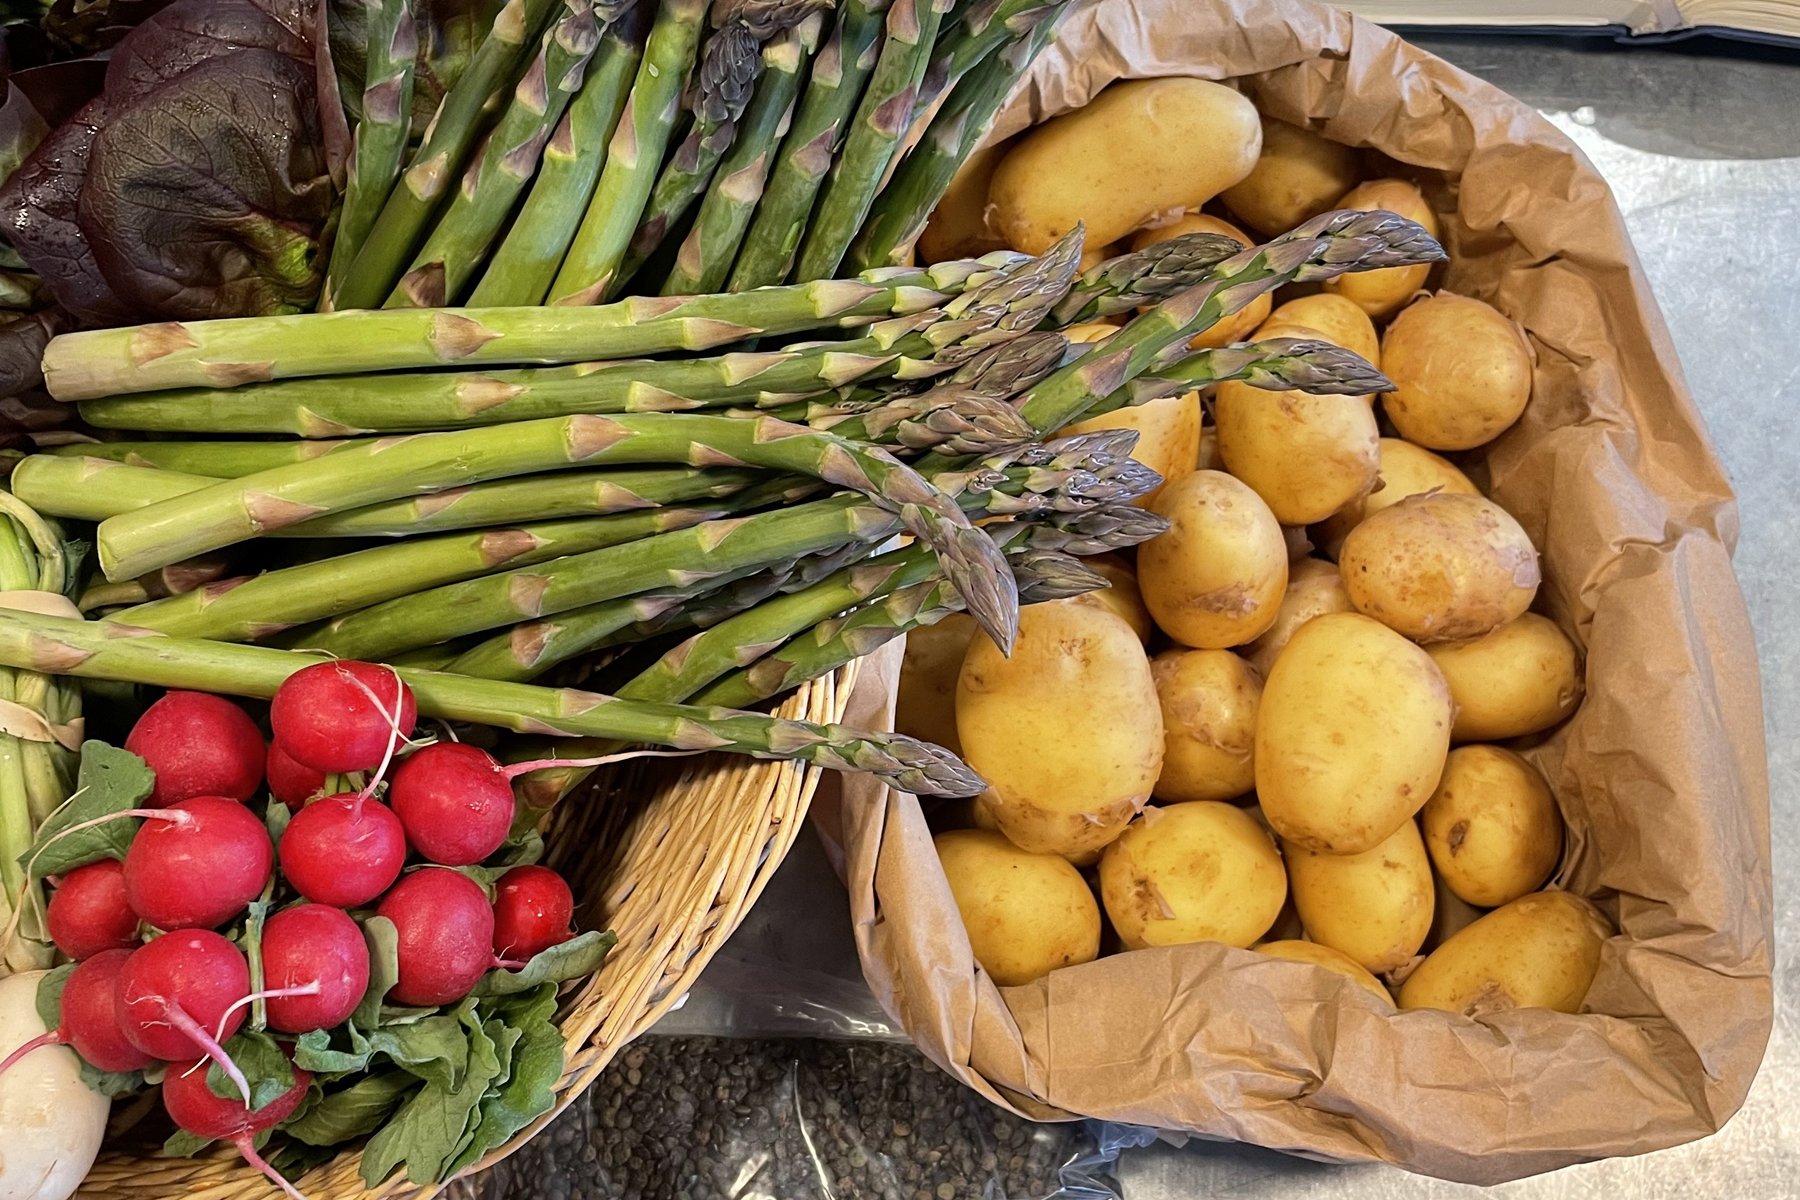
(1703, 151)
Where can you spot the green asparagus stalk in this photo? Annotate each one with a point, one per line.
(1273, 364)
(239, 350)
(440, 158)
(533, 247)
(105, 650)
(226, 460)
(444, 269)
(706, 254)
(980, 30)
(380, 147)
(882, 118)
(809, 147)
(1144, 277)
(633, 156)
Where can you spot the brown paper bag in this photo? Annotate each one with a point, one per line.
(1662, 774)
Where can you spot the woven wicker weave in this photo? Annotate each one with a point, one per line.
(668, 853)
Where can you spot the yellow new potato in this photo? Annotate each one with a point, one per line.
(1333, 318)
(1306, 456)
(1208, 700)
(1122, 599)
(1374, 906)
(1522, 678)
(1168, 436)
(1461, 372)
(958, 227)
(1540, 951)
(1216, 578)
(1404, 470)
(1382, 293)
(1025, 914)
(1236, 326)
(1137, 151)
(925, 700)
(1314, 589)
(1440, 567)
(1492, 827)
(1351, 734)
(1089, 332)
(1202, 872)
(1297, 176)
(1335, 961)
(1066, 731)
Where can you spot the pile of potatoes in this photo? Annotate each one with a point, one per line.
(1292, 723)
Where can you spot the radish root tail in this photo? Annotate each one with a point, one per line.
(179, 1018)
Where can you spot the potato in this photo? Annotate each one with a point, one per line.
(1461, 372)
(1492, 827)
(1382, 293)
(1216, 578)
(925, 700)
(1025, 914)
(1351, 734)
(1137, 151)
(1335, 961)
(1440, 567)
(1297, 176)
(1314, 588)
(1540, 951)
(1374, 906)
(1208, 700)
(1201, 872)
(1060, 784)
(1237, 326)
(1306, 456)
(1122, 599)
(1404, 470)
(1168, 436)
(1333, 318)
(1089, 332)
(1522, 678)
(1093, 255)
(958, 227)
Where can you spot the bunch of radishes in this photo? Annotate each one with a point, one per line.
(202, 860)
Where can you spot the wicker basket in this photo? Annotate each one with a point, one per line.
(672, 872)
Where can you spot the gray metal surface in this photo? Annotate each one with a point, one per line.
(1703, 153)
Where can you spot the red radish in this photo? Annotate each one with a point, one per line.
(89, 912)
(456, 802)
(193, 1106)
(293, 783)
(446, 935)
(90, 1021)
(532, 910)
(198, 745)
(175, 995)
(343, 850)
(339, 717)
(316, 947)
(201, 872)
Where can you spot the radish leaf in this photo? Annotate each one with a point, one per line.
(111, 781)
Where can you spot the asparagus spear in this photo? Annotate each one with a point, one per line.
(445, 266)
(532, 249)
(982, 29)
(881, 120)
(1144, 276)
(440, 158)
(807, 150)
(1274, 364)
(223, 459)
(632, 157)
(380, 147)
(105, 650)
(707, 253)
(239, 350)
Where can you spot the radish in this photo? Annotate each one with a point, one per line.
(456, 802)
(89, 912)
(318, 956)
(90, 1021)
(446, 932)
(199, 872)
(291, 782)
(532, 910)
(198, 745)
(52, 1123)
(339, 717)
(193, 1106)
(343, 850)
(175, 997)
